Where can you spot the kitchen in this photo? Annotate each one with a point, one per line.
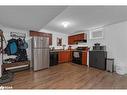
(77, 55)
(67, 52)
(63, 55)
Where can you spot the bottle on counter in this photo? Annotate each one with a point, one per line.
(69, 48)
(64, 47)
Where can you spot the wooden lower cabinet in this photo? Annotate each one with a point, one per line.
(64, 56)
(84, 58)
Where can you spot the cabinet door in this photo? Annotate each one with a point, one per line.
(92, 59)
(80, 36)
(70, 56)
(101, 60)
(75, 38)
(64, 56)
(69, 40)
(97, 59)
(84, 58)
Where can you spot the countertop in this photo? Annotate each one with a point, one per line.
(67, 50)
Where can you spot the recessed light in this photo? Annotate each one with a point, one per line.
(65, 24)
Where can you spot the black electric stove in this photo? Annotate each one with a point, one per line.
(77, 55)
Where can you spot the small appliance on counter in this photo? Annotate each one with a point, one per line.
(64, 47)
(70, 47)
(52, 48)
(97, 46)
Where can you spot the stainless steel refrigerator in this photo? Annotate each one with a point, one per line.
(40, 53)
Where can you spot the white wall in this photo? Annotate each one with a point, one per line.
(54, 38)
(115, 37)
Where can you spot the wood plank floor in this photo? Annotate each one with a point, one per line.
(68, 76)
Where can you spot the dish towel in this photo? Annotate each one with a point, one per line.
(76, 54)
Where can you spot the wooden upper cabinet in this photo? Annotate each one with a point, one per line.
(71, 39)
(75, 38)
(42, 34)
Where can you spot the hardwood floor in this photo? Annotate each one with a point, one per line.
(68, 76)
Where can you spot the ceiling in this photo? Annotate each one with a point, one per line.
(81, 18)
(28, 17)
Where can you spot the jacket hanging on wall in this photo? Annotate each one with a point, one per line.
(17, 47)
(22, 44)
(11, 48)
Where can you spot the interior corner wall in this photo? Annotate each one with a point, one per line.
(56, 35)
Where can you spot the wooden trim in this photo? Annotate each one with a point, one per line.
(8, 65)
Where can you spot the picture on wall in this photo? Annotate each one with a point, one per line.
(59, 41)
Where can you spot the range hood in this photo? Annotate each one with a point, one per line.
(80, 41)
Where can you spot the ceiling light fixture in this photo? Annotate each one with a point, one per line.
(65, 24)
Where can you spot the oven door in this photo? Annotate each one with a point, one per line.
(77, 57)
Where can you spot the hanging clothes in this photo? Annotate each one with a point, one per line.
(21, 55)
(17, 47)
(22, 44)
(11, 48)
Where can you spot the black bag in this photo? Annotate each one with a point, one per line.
(21, 55)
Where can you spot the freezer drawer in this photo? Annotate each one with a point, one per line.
(41, 59)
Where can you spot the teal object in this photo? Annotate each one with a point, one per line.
(13, 48)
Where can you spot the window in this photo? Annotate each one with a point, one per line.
(96, 34)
